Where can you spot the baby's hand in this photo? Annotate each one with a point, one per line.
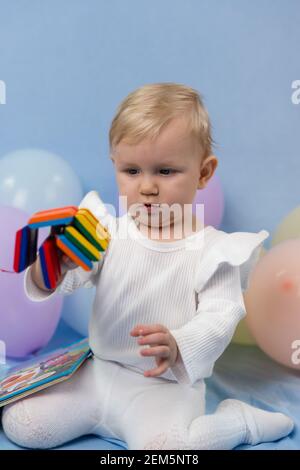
(162, 345)
(65, 262)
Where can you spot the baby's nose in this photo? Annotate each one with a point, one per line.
(149, 189)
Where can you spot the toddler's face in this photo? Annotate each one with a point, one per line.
(165, 171)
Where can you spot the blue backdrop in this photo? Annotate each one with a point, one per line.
(67, 65)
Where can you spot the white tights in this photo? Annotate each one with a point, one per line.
(106, 399)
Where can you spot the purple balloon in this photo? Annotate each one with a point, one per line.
(25, 326)
(213, 200)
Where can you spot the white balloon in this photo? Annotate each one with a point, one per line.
(77, 309)
(35, 179)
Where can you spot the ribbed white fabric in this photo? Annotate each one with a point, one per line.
(192, 286)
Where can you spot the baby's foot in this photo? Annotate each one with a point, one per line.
(262, 426)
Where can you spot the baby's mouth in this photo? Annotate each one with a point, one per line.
(151, 207)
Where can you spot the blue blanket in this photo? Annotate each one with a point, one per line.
(243, 372)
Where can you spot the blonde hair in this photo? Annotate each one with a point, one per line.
(147, 110)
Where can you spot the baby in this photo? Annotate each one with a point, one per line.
(169, 295)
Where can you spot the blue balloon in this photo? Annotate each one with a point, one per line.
(34, 179)
(77, 309)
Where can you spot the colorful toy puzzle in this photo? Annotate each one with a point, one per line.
(76, 232)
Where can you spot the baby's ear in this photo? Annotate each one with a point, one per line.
(201, 184)
(208, 168)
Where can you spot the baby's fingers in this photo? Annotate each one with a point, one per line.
(66, 261)
(157, 371)
(69, 263)
(161, 351)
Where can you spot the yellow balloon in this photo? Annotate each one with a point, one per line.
(242, 334)
(288, 228)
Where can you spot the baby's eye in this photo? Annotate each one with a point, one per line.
(167, 170)
(129, 170)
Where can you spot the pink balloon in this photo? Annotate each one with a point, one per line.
(213, 200)
(272, 302)
(25, 326)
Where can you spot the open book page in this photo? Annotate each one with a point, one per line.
(43, 371)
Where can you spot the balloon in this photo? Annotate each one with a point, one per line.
(288, 228)
(78, 308)
(213, 200)
(242, 334)
(273, 303)
(25, 326)
(33, 180)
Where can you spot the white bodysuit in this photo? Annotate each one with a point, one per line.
(194, 287)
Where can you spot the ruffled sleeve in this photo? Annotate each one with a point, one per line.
(223, 274)
(236, 249)
(94, 203)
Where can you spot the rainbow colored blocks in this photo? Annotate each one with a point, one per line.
(25, 248)
(76, 232)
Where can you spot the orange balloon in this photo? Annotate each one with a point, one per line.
(272, 303)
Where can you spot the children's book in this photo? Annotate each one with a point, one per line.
(43, 371)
